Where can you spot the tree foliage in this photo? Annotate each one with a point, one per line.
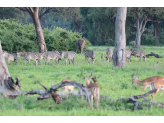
(16, 36)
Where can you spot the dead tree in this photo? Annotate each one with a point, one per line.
(133, 99)
(7, 86)
(52, 91)
(153, 54)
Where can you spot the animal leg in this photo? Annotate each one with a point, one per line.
(65, 61)
(36, 62)
(69, 61)
(47, 61)
(91, 101)
(77, 47)
(143, 89)
(153, 95)
(161, 93)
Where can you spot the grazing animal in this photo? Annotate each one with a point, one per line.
(33, 56)
(10, 57)
(139, 53)
(68, 55)
(159, 85)
(22, 54)
(51, 55)
(80, 44)
(128, 53)
(66, 88)
(146, 82)
(109, 53)
(93, 90)
(90, 54)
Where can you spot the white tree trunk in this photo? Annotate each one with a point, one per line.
(120, 38)
(7, 86)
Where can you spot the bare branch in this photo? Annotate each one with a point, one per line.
(32, 11)
(47, 11)
(42, 85)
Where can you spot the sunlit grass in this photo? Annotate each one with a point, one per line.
(114, 82)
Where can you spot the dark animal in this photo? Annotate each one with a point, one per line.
(90, 54)
(80, 44)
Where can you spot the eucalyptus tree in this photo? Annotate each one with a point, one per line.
(120, 38)
(142, 15)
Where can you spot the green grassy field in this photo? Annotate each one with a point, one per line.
(113, 81)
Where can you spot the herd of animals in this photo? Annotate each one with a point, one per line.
(92, 88)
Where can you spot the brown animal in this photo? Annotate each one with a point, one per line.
(93, 90)
(146, 82)
(80, 44)
(159, 85)
(66, 88)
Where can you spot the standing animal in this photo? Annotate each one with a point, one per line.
(139, 53)
(51, 55)
(90, 54)
(159, 85)
(66, 88)
(128, 53)
(80, 43)
(109, 53)
(68, 55)
(146, 82)
(10, 57)
(93, 89)
(33, 56)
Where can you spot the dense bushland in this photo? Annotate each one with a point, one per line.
(22, 37)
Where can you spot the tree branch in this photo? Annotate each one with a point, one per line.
(47, 11)
(32, 11)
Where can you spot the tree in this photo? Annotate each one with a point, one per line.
(120, 38)
(7, 86)
(98, 24)
(142, 15)
(33, 12)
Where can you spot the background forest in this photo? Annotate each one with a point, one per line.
(94, 24)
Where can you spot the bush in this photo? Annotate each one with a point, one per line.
(132, 44)
(110, 42)
(22, 37)
(149, 39)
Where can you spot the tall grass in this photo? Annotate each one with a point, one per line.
(114, 82)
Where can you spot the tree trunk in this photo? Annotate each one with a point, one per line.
(7, 86)
(156, 30)
(138, 39)
(140, 27)
(120, 38)
(38, 28)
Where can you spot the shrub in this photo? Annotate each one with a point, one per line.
(132, 44)
(22, 37)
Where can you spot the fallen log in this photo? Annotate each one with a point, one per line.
(155, 55)
(51, 92)
(136, 103)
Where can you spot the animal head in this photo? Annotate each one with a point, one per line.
(93, 59)
(134, 78)
(62, 54)
(94, 79)
(144, 58)
(5, 53)
(107, 58)
(87, 80)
